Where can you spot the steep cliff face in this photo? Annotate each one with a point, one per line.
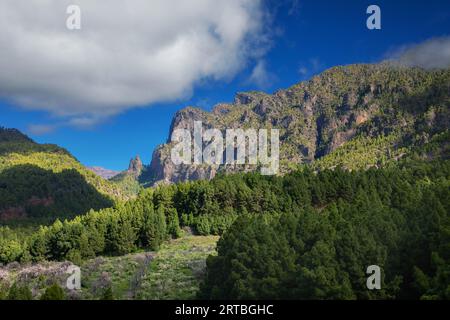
(317, 117)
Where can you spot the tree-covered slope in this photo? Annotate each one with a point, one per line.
(335, 225)
(46, 181)
(306, 235)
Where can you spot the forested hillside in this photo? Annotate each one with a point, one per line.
(339, 224)
(42, 182)
(305, 235)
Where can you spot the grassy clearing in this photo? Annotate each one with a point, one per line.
(117, 272)
(177, 269)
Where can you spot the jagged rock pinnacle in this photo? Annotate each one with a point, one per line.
(135, 166)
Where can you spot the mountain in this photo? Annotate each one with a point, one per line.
(45, 181)
(354, 116)
(104, 173)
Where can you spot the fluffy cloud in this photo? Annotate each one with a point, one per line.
(128, 53)
(431, 54)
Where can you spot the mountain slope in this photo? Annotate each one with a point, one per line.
(128, 180)
(45, 181)
(381, 111)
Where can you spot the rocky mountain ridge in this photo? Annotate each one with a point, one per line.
(319, 116)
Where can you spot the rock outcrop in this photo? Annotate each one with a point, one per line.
(135, 166)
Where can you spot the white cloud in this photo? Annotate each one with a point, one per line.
(128, 53)
(260, 76)
(431, 54)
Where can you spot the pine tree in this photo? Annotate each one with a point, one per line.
(107, 294)
(173, 223)
(19, 292)
(54, 292)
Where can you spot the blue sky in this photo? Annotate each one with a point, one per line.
(305, 37)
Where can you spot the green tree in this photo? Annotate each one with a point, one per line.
(173, 223)
(10, 250)
(121, 236)
(19, 292)
(154, 231)
(54, 292)
(107, 294)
